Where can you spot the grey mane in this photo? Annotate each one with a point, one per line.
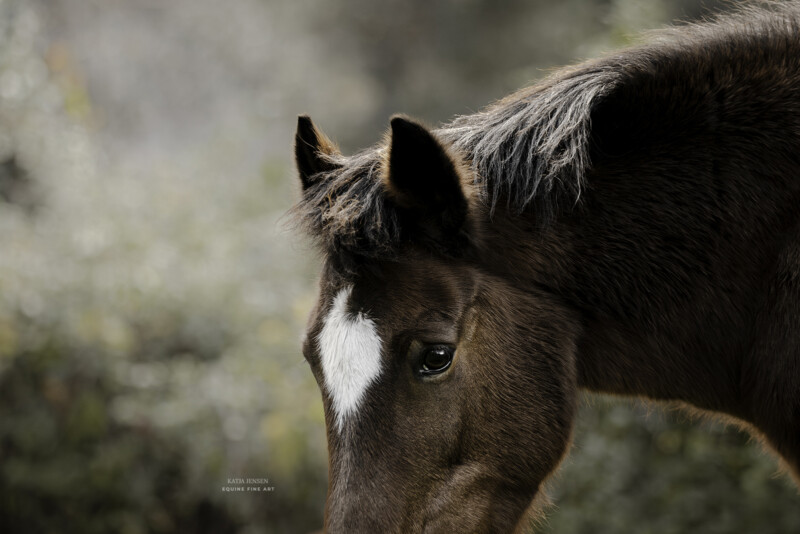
(534, 144)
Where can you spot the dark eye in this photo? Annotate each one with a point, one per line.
(436, 359)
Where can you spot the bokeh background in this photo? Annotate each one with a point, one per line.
(152, 298)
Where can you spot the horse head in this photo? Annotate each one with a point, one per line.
(448, 387)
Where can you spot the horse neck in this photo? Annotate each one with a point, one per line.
(667, 260)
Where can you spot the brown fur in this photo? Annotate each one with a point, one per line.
(630, 226)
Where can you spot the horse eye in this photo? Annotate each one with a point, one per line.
(436, 359)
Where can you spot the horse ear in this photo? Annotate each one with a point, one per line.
(423, 178)
(310, 148)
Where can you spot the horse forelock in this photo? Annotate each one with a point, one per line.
(347, 210)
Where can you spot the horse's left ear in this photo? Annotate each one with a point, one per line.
(424, 180)
(311, 147)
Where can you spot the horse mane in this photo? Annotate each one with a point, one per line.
(534, 149)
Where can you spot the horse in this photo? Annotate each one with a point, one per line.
(629, 226)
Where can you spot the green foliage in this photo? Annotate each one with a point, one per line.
(70, 466)
(638, 468)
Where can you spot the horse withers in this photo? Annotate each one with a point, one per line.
(630, 225)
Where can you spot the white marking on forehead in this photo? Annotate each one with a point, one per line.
(350, 351)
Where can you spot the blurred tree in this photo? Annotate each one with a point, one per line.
(447, 57)
(16, 186)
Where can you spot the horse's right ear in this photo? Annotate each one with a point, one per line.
(423, 179)
(311, 147)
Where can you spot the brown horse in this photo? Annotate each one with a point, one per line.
(630, 226)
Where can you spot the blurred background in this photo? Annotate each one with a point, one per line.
(152, 298)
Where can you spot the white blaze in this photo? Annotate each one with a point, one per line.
(350, 350)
